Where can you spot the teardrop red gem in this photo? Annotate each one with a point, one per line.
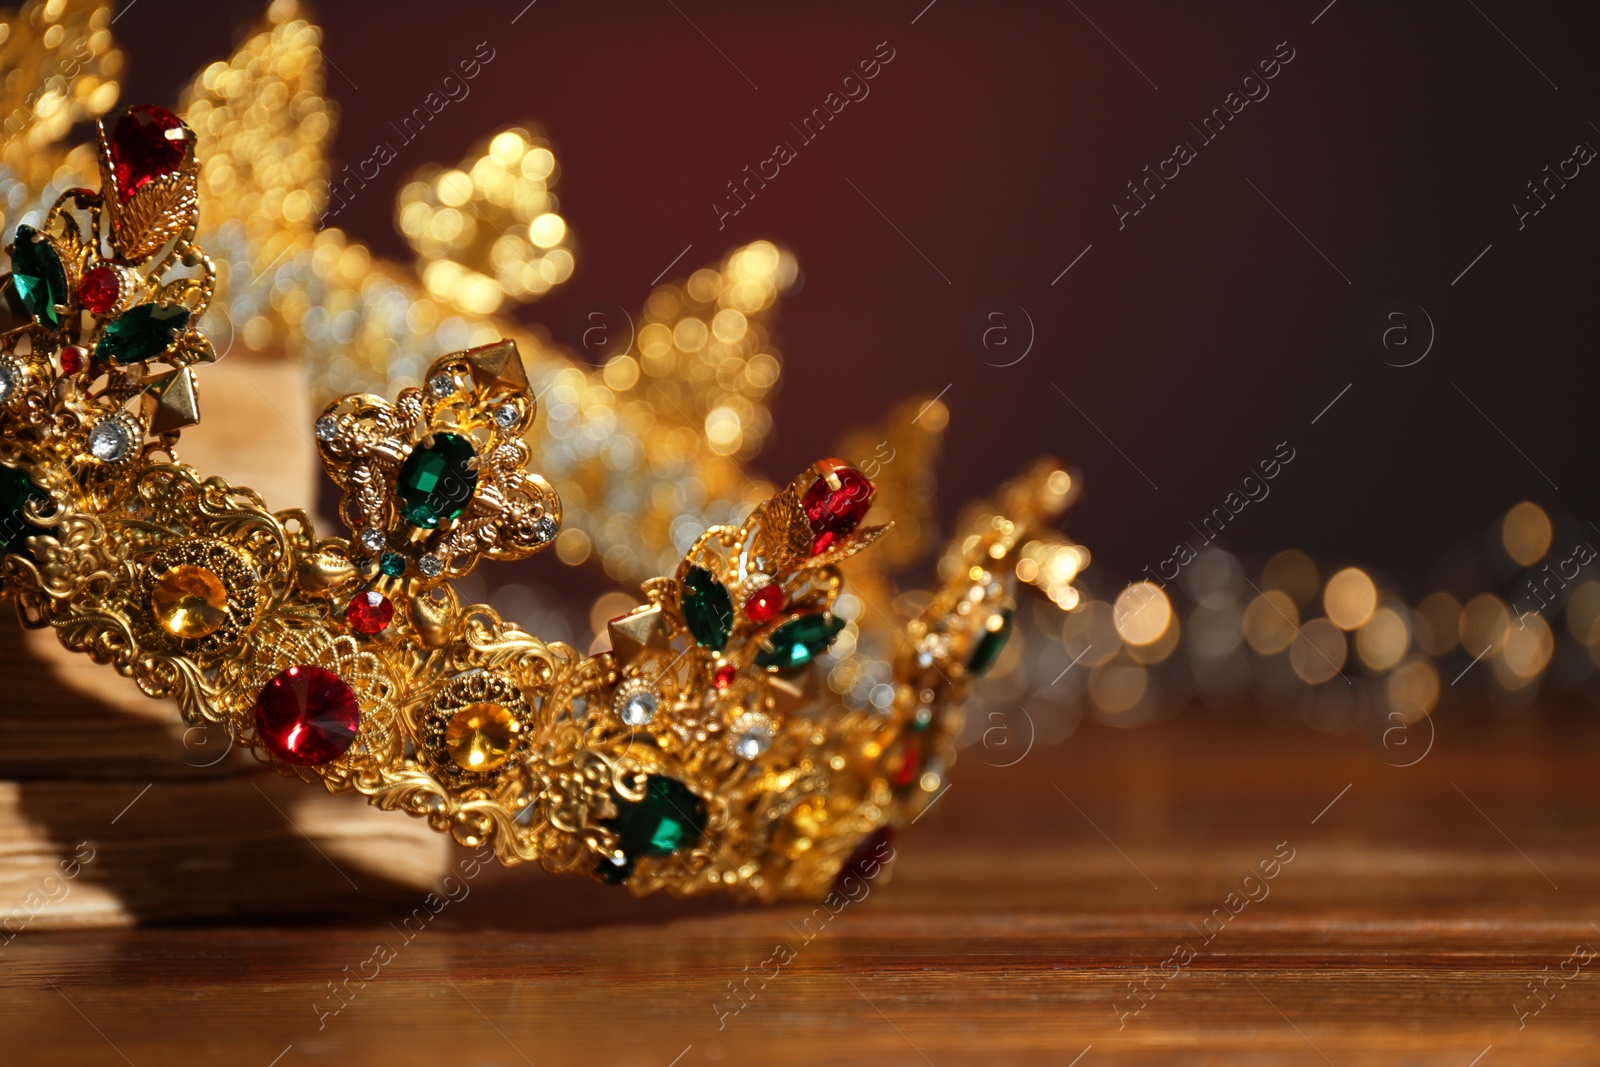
(146, 143)
(834, 510)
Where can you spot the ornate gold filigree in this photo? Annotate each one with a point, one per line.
(696, 755)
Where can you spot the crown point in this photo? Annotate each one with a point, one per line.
(147, 143)
(497, 368)
(836, 503)
(171, 402)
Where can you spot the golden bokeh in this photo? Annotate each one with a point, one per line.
(1270, 622)
(1412, 690)
(1525, 532)
(1092, 632)
(1143, 613)
(1382, 640)
(1117, 688)
(1484, 622)
(1319, 652)
(1525, 652)
(1583, 610)
(1350, 598)
(1438, 623)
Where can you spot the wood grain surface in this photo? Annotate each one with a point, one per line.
(1408, 909)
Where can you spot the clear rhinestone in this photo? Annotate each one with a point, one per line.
(545, 528)
(505, 416)
(751, 735)
(431, 566)
(637, 707)
(8, 380)
(109, 441)
(373, 540)
(327, 428)
(442, 385)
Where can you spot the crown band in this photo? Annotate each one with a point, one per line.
(696, 755)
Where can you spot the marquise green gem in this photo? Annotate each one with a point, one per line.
(16, 490)
(799, 641)
(437, 480)
(142, 332)
(36, 273)
(707, 609)
(668, 819)
(991, 644)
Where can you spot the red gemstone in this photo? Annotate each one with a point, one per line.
(73, 359)
(146, 143)
(724, 676)
(99, 289)
(369, 612)
(836, 503)
(307, 716)
(765, 603)
(910, 765)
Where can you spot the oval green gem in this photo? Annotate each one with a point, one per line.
(16, 490)
(992, 643)
(707, 609)
(799, 641)
(668, 819)
(36, 273)
(437, 480)
(142, 332)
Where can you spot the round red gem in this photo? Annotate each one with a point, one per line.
(836, 503)
(369, 612)
(307, 715)
(146, 143)
(765, 603)
(724, 676)
(99, 289)
(73, 359)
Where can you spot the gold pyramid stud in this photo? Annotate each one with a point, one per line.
(171, 402)
(635, 635)
(498, 368)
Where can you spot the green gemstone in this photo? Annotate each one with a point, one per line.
(669, 819)
(437, 480)
(36, 272)
(16, 490)
(392, 564)
(707, 608)
(142, 333)
(614, 873)
(991, 644)
(798, 641)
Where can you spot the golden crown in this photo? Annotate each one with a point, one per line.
(696, 754)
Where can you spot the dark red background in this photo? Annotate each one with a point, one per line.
(1197, 338)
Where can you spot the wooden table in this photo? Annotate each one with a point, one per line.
(1409, 909)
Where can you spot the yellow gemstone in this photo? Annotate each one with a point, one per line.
(480, 737)
(190, 601)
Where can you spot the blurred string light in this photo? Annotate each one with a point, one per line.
(1337, 646)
